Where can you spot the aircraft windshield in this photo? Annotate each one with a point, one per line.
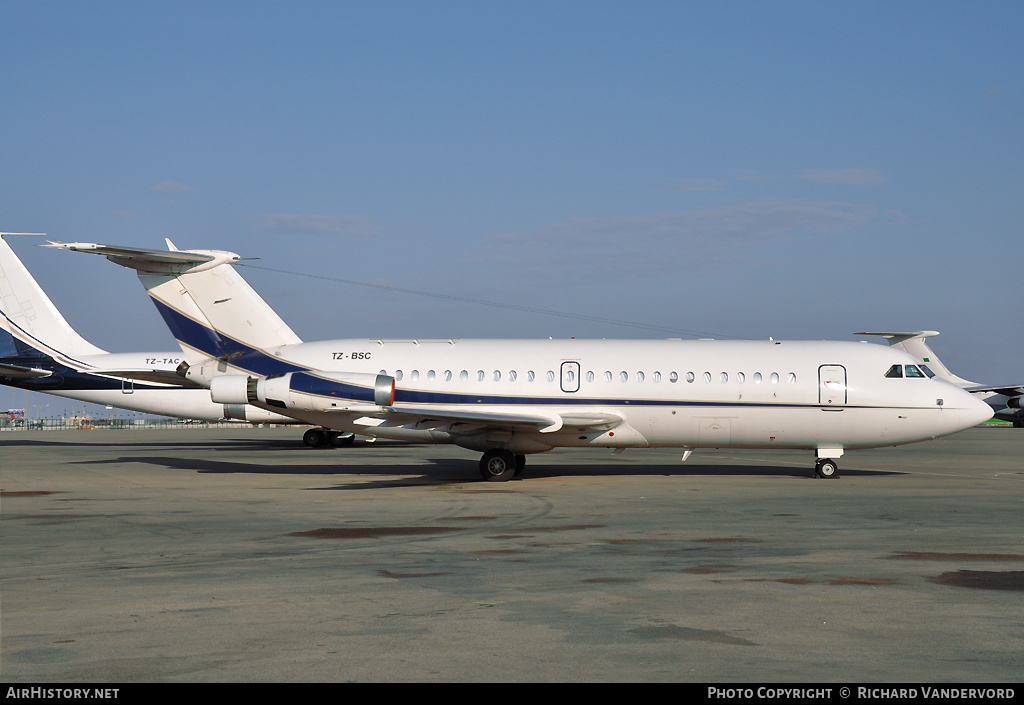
(909, 371)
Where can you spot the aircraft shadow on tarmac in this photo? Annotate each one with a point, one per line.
(234, 444)
(448, 471)
(296, 459)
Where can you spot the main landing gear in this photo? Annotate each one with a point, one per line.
(826, 468)
(500, 465)
(317, 437)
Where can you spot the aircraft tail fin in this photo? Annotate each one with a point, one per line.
(28, 319)
(914, 343)
(211, 310)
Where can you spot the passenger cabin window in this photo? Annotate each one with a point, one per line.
(895, 372)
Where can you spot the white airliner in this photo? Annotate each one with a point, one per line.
(509, 398)
(41, 352)
(1006, 400)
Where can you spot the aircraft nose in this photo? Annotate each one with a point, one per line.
(974, 411)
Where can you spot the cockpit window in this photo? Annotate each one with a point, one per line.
(924, 368)
(912, 371)
(895, 372)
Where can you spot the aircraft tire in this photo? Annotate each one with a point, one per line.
(497, 465)
(826, 468)
(520, 465)
(314, 438)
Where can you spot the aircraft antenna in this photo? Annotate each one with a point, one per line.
(496, 304)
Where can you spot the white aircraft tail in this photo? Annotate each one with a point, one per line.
(27, 313)
(914, 343)
(211, 310)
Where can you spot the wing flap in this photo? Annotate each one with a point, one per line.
(545, 423)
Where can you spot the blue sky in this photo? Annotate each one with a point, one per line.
(741, 169)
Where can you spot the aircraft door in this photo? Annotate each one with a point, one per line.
(127, 386)
(832, 385)
(570, 377)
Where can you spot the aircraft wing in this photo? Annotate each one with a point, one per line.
(426, 415)
(1009, 390)
(19, 372)
(168, 377)
(164, 377)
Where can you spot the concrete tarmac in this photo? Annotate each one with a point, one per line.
(231, 555)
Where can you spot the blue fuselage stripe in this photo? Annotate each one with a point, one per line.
(259, 363)
(308, 383)
(200, 337)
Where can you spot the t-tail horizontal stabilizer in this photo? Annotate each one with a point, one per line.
(209, 307)
(171, 261)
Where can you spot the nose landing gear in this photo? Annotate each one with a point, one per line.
(826, 468)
